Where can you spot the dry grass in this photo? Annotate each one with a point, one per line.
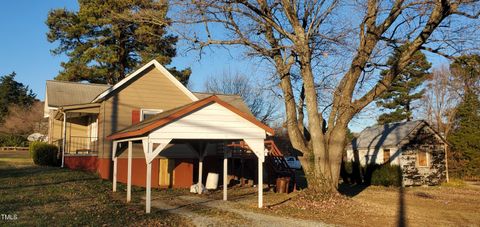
(53, 196)
(47, 196)
(377, 206)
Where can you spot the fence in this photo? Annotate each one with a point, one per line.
(13, 148)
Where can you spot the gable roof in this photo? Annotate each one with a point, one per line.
(166, 117)
(387, 135)
(234, 100)
(138, 72)
(62, 93)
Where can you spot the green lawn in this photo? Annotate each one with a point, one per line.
(55, 196)
(14, 159)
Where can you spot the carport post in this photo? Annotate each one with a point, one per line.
(149, 182)
(225, 176)
(115, 166)
(260, 183)
(200, 174)
(150, 154)
(115, 174)
(129, 172)
(258, 147)
(149, 188)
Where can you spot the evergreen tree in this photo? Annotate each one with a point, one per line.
(104, 42)
(13, 92)
(403, 91)
(465, 136)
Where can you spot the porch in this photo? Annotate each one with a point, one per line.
(79, 130)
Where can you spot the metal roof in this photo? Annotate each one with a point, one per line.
(62, 93)
(387, 135)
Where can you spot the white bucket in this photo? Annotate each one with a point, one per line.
(212, 181)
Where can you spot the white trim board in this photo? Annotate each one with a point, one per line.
(158, 66)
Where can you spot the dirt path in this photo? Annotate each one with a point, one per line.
(186, 211)
(209, 212)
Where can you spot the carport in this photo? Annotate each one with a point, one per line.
(206, 120)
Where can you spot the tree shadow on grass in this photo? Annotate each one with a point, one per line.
(51, 183)
(352, 190)
(27, 171)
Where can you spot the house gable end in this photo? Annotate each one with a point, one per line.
(140, 73)
(151, 89)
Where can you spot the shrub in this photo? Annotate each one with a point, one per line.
(351, 172)
(33, 146)
(11, 140)
(44, 154)
(386, 175)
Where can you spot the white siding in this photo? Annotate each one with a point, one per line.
(211, 122)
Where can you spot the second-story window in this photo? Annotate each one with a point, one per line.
(147, 113)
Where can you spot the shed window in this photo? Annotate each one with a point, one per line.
(386, 155)
(147, 113)
(422, 158)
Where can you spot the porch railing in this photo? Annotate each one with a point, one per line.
(81, 145)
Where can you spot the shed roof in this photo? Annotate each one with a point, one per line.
(166, 117)
(387, 135)
(62, 93)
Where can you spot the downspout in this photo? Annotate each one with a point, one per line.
(64, 140)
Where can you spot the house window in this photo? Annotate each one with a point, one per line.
(148, 113)
(386, 155)
(422, 158)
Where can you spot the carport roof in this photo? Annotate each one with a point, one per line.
(166, 117)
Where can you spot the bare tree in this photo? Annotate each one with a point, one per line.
(441, 98)
(24, 120)
(301, 39)
(255, 96)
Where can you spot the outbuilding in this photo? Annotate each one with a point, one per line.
(415, 146)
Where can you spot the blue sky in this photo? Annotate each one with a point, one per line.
(23, 44)
(24, 47)
(25, 50)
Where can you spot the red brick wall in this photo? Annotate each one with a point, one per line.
(104, 168)
(88, 163)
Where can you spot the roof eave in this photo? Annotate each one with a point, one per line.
(184, 111)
